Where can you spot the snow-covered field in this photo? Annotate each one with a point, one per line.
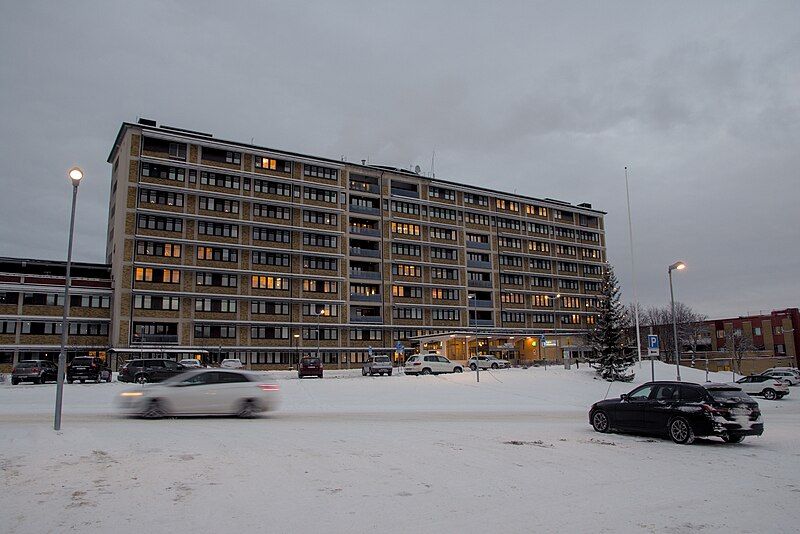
(348, 453)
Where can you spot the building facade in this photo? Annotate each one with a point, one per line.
(244, 251)
(776, 333)
(31, 309)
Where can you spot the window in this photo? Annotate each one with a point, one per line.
(163, 198)
(84, 329)
(272, 164)
(8, 297)
(442, 233)
(509, 242)
(316, 171)
(265, 307)
(204, 331)
(272, 188)
(445, 294)
(164, 276)
(216, 279)
(541, 229)
(478, 238)
(441, 253)
(155, 302)
(588, 236)
(407, 313)
(511, 261)
(444, 273)
(324, 333)
(43, 299)
(441, 193)
(543, 265)
(543, 318)
(320, 217)
(269, 332)
(215, 305)
(269, 282)
(320, 240)
(573, 285)
(325, 264)
(476, 218)
(270, 258)
(227, 181)
(507, 205)
(591, 286)
(406, 249)
(152, 248)
(312, 310)
(564, 232)
(512, 298)
(538, 246)
(443, 213)
(217, 229)
(216, 204)
(511, 279)
(590, 253)
(542, 301)
(321, 195)
(271, 234)
(570, 302)
(8, 327)
(508, 224)
(477, 200)
(445, 314)
(217, 254)
(272, 212)
(366, 335)
(413, 292)
(567, 267)
(592, 270)
(177, 150)
(566, 250)
(720, 334)
(541, 281)
(512, 317)
(164, 224)
(642, 393)
(539, 211)
(163, 171)
(778, 330)
(757, 331)
(405, 207)
(406, 270)
(405, 229)
(320, 286)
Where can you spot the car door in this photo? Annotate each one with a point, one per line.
(660, 407)
(190, 396)
(747, 385)
(629, 413)
(445, 365)
(231, 390)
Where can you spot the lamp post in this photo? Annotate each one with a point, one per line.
(555, 323)
(678, 265)
(296, 350)
(75, 175)
(470, 300)
(320, 313)
(633, 273)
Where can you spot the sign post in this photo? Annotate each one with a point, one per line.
(542, 344)
(652, 350)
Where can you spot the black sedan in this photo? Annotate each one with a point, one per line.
(682, 411)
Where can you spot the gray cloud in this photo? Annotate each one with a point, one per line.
(547, 99)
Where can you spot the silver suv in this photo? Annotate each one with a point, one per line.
(377, 365)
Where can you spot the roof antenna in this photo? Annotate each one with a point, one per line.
(252, 139)
(433, 163)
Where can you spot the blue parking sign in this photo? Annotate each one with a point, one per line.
(652, 342)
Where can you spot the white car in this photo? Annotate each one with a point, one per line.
(191, 363)
(202, 392)
(487, 362)
(232, 363)
(430, 363)
(770, 388)
(787, 376)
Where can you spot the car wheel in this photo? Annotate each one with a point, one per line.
(14, 381)
(83, 381)
(425, 371)
(473, 366)
(70, 381)
(458, 370)
(494, 366)
(154, 410)
(363, 372)
(247, 409)
(98, 379)
(389, 373)
(733, 439)
(109, 377)
(600, 422)
(140, 379)
(769, 394)
(681, 431)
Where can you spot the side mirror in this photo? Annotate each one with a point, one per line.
(624, 396)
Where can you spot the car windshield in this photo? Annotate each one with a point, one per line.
(722, 394)
(382, 359)
(27, 364)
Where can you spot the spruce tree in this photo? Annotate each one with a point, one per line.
(608, 338)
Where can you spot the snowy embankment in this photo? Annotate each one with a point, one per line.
(349, 453)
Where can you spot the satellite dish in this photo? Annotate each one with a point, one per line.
(417, 169)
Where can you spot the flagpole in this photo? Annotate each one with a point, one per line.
(633, 272)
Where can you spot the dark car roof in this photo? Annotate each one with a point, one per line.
(718, 385)
(671, 382)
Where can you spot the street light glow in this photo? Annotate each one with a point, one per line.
(679, 265)
(75, 174)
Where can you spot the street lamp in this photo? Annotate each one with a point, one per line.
(470, 300)
(320, 313)
(75, 175)
(679, 266)
(296, 349)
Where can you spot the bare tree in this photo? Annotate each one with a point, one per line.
(738, 344)
(659, 319)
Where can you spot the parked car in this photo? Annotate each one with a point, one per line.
(85, 368)
(309, 366)
(787, 376)
(232, 363)
(149, 370)
(792, 370)
(36, 371)
(379, 365)
(682, 411)
(487, 361)
(202, 392)
(191, 363)
(430, 363)
(766, 386)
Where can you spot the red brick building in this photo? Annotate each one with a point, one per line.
(778, 332)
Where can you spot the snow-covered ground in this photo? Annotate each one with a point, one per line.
(348, 453)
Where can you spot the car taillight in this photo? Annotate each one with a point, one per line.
(714, 411)
(778, 383)
(35, 370)
(268, 387)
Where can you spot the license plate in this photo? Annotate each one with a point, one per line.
(740, 411)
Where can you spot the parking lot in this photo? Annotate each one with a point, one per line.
(349, 453)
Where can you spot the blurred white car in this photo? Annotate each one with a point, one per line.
(232, 363)
(430, 363)
(191, 363)
(770, 388)
(787, 376)
(487, 362)
(202, 392)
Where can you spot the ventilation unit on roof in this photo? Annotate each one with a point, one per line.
(585, 205)
(147, 122)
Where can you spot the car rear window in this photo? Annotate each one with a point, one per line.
(82, 361)
(310, 361)
(722, 394)
(381, 359)
(27, 364)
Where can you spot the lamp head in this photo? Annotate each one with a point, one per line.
(678, 265)
(75, 175)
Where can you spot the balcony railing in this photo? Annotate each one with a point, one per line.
(479, 264)
(374, 232)
(366, 319)
(481, 303)
(480, 283)
(476, 244)
(356, 208)
(366, 252)
(365, 275)
(365, 188)
(154, 339)
(405, 193)
(365, 298)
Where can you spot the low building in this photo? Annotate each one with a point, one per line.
(31, 309)
(778, 332)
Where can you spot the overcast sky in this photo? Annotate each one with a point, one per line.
(549, 99)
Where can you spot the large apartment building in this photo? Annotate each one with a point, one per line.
(245, 251)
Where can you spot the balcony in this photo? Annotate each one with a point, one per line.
(373, 319)
(476, 244)
(405, 193)
(365, 275)
(481, 322)
(362, 187)
(360, 230)
(155, 339)
(365, 252)
(479, 303)
(356, 208)
(480, 283)
(365, 298)
(479, 264)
